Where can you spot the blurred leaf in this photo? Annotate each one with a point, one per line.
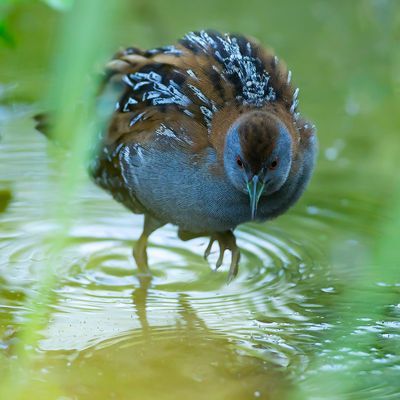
(6, 35)
(81, 47)
(60, 5)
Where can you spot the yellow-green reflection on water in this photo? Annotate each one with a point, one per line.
(272, 332)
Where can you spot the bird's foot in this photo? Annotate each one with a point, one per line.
(140, 256)
(226, 241)
(140, 249)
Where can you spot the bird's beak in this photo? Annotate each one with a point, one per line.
(255, 188)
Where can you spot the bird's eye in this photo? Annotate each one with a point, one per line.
(239, 162)
(274, 164)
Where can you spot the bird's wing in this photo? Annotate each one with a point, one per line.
(243, 76)
(159, 89)
(193, 91)
(196, 88)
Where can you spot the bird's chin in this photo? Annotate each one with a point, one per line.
(273, 187)
(241, 187)
(268, 192)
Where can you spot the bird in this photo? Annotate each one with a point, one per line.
(204, 134)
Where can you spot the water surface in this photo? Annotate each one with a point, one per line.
(285, 323)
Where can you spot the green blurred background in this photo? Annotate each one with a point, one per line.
(315, 310)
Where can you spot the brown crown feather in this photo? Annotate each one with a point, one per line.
(258, 132)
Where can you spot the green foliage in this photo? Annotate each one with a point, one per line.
(5, 34)
(82, 42)
(8, 6)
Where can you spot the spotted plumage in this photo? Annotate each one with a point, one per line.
(197, 129)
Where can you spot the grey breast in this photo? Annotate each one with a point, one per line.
(177, 188)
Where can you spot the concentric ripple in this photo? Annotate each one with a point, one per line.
(274, 310)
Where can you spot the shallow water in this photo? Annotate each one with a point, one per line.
(286, 324)
(187, 329)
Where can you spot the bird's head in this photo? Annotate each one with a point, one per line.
(258, 155)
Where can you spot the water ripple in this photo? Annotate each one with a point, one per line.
(274, 310)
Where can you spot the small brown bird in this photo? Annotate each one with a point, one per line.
(205, 135)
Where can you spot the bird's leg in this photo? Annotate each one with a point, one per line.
(226, 241)
(140, 249)
(186, 235)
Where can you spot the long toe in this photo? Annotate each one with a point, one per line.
(209, 247)
(234, 268)
(220, 260)
(226, 241)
